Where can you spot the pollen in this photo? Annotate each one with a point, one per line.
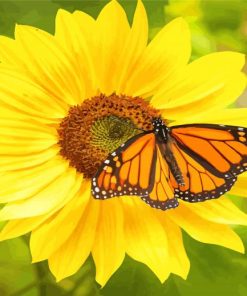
(97, 127)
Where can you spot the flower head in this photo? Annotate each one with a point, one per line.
(68, 100)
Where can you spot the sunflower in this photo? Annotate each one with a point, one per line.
(61, 97)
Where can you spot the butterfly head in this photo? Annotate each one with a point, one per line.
(160, 129)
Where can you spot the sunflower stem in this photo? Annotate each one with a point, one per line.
(28, 287)
(40, 272)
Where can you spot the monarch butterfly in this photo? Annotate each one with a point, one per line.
(193, 162)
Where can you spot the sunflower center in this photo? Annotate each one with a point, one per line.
(100, 125)
(110, 132)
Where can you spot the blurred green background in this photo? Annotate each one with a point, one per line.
(215, 25)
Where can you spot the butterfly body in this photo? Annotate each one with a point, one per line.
(160, 130)
(163, 139)
(166, 164)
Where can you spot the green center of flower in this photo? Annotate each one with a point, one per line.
(109, 132)
(100, 125)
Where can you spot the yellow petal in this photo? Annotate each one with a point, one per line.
(75, 33)
(13, 162)
(45, 61)
(146, 239)
(61, 189)
(9, 52)
(112, 29)
(9, 112)
(222, 98)
(12, 147)
(205, 231)
(220, 210)
(88, 50)
(19, 137)
(18, 227)
(27, 97)
(43, 242)
(17, 185)
(233, 116)
(109, 249)
(199, 79)
(166, 54)
(25, 128)
(73, 253)
(240, 188)
(178, 258)
(134, 47)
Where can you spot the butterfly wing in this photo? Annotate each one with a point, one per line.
(210, 157)
(128, 170)
(136, 168)
(161, 195)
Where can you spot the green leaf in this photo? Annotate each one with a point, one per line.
(16, 270)
(219, 14)
(40, 14)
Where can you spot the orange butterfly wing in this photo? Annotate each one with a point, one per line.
(161, 195)
(136, 168)
(210, 157)
(127, 170)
